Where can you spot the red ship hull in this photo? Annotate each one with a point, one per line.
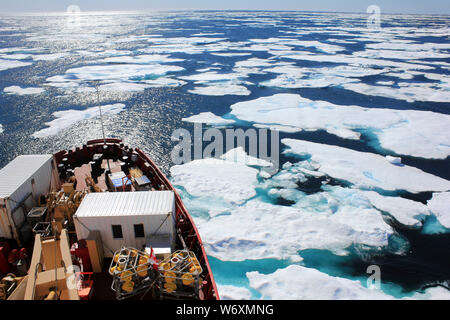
(184, 222)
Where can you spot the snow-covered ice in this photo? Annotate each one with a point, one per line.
(240, 156)
(118, 71)
(208, 77)
(211, 177)
(122, 86)
(365, 170)
(433, 293)
(121, 76)
(410, 92)
(23, 91)
(6, 64)
(67, 118)
(208, 118)
(350, 59)
(221, 90)
(298, 77)
(405, 132)
(439, 205)
(394, 160)
(49, 56)
(407, 212)
(231, 54)
(299, 283)
(261, 230)
(141, 59)
(228, 292)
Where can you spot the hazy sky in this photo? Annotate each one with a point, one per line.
(387, 6)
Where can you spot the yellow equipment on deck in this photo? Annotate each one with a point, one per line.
(132, 271)
(180, 274)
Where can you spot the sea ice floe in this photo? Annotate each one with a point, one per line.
(401, 54)
(320, 46)
(119, 71)
(394, 160)
(22, 50)
(276, 127)
(285, 184)
(212, 76)
(433, 293)
(142, 59)
(231, 54)
(163, 82)
(22, 91)
(210, 177)
(132, 86)
(218, 84)
(205, 34)
(252, 228)
(118, 77)
(119, 86)
(385, 83)
(350, 59)
(394, 129)
(1, 129)
(256, 229)
(439, 205)
(405, 211)
(428, 92)
(415, 47)
(365, 170)
(290, 80)
(6, 64)
(266, 47)
(15, 56)
(261, 230)
(255, 62)
(104, 53)
(133, 38)
(298, 283)
(404, 75)
(298, 77)
(187, 45)
(49, 56)
(185, 40)
(67, 118)
(238, 155)
(342, 41)
(228, 292)
(221, 90)
(208, 118)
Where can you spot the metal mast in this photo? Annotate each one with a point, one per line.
(101, 120)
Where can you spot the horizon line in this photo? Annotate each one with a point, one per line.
(37, 12)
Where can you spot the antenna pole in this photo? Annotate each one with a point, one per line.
(101, 120)
(100, 107)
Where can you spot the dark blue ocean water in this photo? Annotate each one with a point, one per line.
(50, 45)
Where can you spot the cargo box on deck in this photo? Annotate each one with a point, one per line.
(22, 182)
(127, 218)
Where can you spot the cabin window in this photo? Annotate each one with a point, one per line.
(139, 231)
(117, 231)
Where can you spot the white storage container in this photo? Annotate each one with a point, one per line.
(22, 182)
(126, 218)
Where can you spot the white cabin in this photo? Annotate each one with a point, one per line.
(129, 219)
(22, 182)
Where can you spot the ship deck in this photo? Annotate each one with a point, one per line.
(114, 157)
